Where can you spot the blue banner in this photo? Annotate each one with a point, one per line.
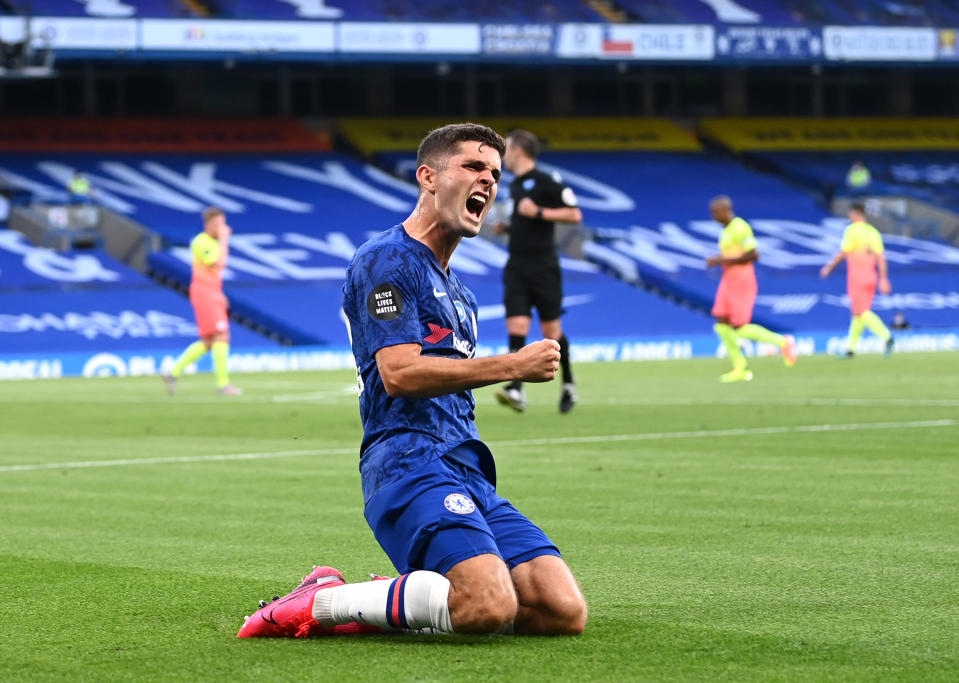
(769, 43)
(247, 359)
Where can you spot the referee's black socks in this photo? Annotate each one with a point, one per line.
(516, 342)
(567, 373)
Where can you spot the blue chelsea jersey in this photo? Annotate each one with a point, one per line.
(396, 292)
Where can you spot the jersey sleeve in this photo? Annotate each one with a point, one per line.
(561, 195)
(875, 242)
(385, 286)
(744, 237)
(850, 240)
(206, 251)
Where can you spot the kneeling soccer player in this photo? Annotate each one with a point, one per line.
(469, 561)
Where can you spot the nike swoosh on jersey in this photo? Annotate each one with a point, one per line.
(437, 293)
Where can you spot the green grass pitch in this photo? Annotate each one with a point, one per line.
(804, 526)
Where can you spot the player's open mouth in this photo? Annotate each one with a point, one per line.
(476, 203)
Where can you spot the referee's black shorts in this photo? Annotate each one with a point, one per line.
(529, 282)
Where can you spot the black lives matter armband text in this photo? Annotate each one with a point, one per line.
(385, 302)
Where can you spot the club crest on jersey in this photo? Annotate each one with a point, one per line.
(460, 310)
(459, 504)
(385, 302)
(529, 184)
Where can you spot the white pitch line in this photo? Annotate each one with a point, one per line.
(747, 431)
(902, 402)
(599, 438)
(317, 396)
(176, 459)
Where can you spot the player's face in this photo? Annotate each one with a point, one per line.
(721, 213)
(214, 225)
(466, 188)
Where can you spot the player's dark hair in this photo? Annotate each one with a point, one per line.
(439, 144)
(526, 141)
(858, 206)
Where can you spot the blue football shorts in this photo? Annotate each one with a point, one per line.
(445, 512)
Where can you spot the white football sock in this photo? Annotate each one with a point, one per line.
(414, 601)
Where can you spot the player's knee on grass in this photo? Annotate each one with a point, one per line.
(565, 613)
(482, 598)
(551, 602)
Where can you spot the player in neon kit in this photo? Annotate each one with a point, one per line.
(863, 251)
(736, 295)
(210, 251)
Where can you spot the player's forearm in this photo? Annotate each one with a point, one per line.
(562, 214)
(224, 253)
(748, 257)
(431, 376)
(883, 266)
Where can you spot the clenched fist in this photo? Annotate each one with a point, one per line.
(538, 361)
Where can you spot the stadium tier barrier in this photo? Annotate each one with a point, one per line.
(590, 134)
(832, 134)
(147, 135)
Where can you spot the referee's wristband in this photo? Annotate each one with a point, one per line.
(539, 213)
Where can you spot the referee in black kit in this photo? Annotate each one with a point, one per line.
(532, 275)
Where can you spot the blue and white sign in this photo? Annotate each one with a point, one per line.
(518, 39)
(227, 36)
(636, 41)
(244, 359)
(68, 33)
(772, 43)
(880, 43)
(407, 38)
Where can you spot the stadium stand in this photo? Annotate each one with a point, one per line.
(407, 10)
(648, 213)
(297, 220)
(89, 302)
(668, 234)
(906, 159)
(928, 176)
(298, 217)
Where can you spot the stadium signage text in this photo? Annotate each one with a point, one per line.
(122, 364)
(518, 39)
(256, 36)
(94, 324)
(247, 39)
(878, 43)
